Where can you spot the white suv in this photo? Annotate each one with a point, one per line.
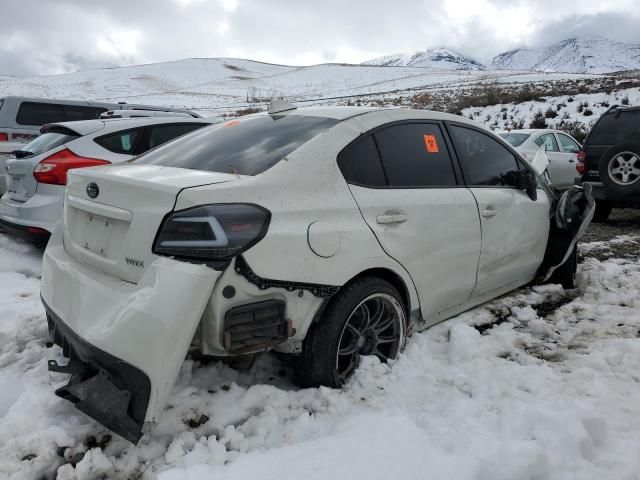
(324, 233)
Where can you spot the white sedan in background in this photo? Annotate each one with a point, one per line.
(561, 149)
(37, 174)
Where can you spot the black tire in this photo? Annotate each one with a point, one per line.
(321, 363)
(603, 209)
(619, 169)
(565, 275)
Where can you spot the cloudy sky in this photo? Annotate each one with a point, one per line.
(48, 37)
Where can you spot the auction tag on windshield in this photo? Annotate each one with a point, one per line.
(431, 143)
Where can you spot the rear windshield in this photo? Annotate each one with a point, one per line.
(613, 128)
(515, 139)
(246, 146)
(46, 142)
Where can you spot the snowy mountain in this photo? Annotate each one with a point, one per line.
(575, 55)
(442, 58)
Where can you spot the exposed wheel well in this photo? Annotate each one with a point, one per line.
(391, 277)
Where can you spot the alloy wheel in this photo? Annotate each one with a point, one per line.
(624, 168)
(374, 327)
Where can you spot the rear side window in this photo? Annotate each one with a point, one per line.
(549, 142)
(246, 146)
(613, 128)
(75, 113)
(48, 141)
(120, 142)
(1, 103)
(360, 164)
(484, 159)
(38, 114)
(515, 139)
(163, 133)
(415, 155)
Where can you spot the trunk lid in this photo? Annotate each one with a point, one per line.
(112, 213)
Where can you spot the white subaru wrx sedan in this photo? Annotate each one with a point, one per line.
(324, 233)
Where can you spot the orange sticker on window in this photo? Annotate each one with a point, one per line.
(431, 143)
(232, 123)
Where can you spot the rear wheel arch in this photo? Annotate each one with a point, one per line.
(394, 279)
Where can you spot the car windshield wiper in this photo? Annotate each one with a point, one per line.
(22, 153)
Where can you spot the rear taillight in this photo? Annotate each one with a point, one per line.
(580, 166)
(53, 169)
(4, 137)
(212, 232)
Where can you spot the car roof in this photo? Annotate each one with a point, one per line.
(86, 127)
(391, 114)
(531, 131)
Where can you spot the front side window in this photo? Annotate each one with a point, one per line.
(120, 142)
(415, 155)
(360, 164)
(484, 160)
(549, 142)
(246, 146)
(568, 144)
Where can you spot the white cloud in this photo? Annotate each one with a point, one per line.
(52, 37)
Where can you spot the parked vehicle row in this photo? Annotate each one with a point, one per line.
(22, 117)
(326, 234)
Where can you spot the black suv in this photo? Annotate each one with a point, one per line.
(610, 160)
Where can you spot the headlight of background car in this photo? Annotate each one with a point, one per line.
(212, 232)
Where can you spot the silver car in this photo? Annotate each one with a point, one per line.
(37, 174)
(560, 147)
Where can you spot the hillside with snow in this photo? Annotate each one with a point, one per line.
(574, 55)
(213, 86)
(442, 58)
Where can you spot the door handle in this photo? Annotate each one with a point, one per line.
(393, 218)
(489, 212)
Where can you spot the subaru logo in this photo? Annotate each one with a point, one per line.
(93, 190)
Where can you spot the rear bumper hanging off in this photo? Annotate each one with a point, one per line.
(106, 388)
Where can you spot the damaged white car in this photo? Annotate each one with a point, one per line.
(323, 233)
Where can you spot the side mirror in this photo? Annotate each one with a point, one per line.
(524, 180)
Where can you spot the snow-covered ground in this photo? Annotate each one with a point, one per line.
(540, 384)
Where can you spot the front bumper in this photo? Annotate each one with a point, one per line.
(145, 330)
